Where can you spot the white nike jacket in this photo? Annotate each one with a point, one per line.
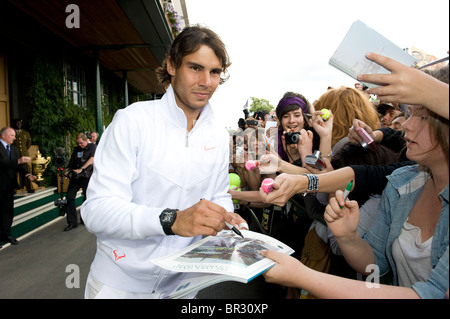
(147, 162)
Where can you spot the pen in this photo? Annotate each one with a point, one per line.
(347, 191)
(234, 229)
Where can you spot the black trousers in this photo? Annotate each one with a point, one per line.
(74, 186)
(6, 212)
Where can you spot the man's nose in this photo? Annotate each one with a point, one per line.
(205, 79)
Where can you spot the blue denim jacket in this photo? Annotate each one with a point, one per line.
(401, 193)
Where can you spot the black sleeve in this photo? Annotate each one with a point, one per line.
(371, 179)
(395, 140)
(71, 162)
(91, 149)
(314, 208)
(21, 168)
(73, 159)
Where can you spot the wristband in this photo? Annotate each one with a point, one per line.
(313, 182)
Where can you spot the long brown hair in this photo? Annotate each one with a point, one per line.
(439, 130)
(347, 104)
(439, 125)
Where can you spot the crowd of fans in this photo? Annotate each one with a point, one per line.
(307, 218)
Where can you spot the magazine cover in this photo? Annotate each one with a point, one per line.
(224, 257)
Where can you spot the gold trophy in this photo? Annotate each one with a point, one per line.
(39, 165)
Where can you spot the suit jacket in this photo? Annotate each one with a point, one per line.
(9, 167)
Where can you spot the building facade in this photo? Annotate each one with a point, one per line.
(68, 66)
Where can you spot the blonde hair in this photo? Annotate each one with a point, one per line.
(347, 104)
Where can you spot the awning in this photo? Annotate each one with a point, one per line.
(129, 35)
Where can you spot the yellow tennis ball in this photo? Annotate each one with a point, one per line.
(325, 114)
(232, 187)
(235, 180)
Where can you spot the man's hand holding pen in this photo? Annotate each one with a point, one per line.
(204, 218)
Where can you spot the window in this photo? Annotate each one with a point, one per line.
(76, 84)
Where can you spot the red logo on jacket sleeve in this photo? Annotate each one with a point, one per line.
(118, 255)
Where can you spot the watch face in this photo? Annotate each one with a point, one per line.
(167, 217)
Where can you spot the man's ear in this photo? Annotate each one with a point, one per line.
(170, 67)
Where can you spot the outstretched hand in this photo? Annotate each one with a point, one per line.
(285, 271)
(284, 187)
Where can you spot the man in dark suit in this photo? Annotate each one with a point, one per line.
(10, 163)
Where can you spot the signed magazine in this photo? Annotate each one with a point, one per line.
(220, 258)
(350, 56)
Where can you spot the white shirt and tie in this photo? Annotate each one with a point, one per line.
(8, 149)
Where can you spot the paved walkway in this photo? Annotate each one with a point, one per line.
(36, 267)
(39, 266)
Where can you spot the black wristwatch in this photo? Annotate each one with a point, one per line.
(167, 219)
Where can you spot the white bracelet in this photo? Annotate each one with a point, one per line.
(243, 225)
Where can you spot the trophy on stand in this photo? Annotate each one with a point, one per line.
(39, 165)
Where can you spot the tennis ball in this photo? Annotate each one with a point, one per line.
(326, 114)
(235, 180)
(250, 165)
(266, 185)
(236, 201)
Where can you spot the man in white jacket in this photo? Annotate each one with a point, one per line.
(155, 163)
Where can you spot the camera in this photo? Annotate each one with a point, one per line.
(252, 122)
(60, 202)
(315, 160)
(62, 205)
(367, 142)
(61, 158)
(292, 137)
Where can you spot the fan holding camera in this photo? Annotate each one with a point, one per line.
(300, 131)
(293, 114)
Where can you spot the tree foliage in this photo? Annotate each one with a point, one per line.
(260, 105)
(55, 119)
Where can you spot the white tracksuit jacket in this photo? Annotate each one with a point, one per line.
(147, 162)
